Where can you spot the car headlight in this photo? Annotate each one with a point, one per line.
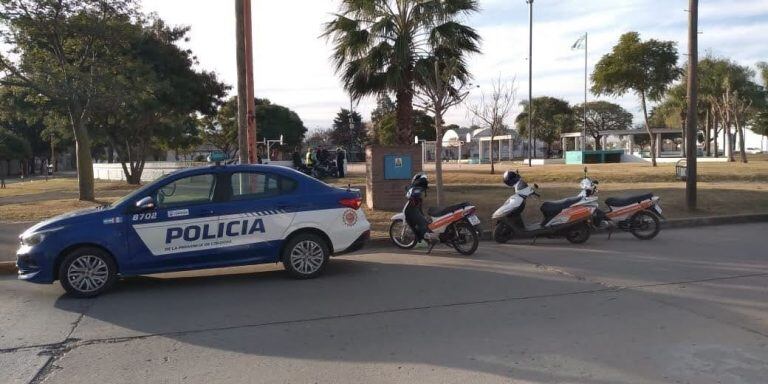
(35, 238)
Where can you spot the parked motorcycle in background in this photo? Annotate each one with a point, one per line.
(569, 218)
(639, 214)
(456, 225)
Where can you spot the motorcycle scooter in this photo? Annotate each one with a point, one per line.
(569, 218)
(639, 214)
(455, 225)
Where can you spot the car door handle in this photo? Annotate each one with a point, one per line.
(206, 212)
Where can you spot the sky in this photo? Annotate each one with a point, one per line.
(292, 64)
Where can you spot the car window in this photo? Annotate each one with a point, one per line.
(187, 190)
(255, 185)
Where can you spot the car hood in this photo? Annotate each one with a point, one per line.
(69, 218)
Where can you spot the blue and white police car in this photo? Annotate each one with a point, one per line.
(206, 217)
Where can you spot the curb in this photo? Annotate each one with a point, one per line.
(9, 267)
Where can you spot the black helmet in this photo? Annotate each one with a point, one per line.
(511, 178)
(419, 180)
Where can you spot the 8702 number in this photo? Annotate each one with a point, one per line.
(145, 216)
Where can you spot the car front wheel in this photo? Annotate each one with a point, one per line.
(87, 272)
(306, 255)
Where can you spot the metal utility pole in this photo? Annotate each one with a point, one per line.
(242, 93)
(586, 55)
(530, 79)
(250, 107)
(692, 118)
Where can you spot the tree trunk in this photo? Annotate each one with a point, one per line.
(715, 132)
(648, 128)
(740, 131)
(83, 154)
(598, 143)
(439, 157)
(490, 155)
(404, 114)
(707, 134)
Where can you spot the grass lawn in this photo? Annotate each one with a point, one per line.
(724, 189)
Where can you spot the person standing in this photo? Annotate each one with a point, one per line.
(308, 158)
(340, 158)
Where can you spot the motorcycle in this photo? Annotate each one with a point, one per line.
(324, 169)
(569, 218)
(640, 215)
(456, 225)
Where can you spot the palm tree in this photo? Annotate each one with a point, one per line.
(378, 45)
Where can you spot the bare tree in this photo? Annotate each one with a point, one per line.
(494, 108)
(440, 88)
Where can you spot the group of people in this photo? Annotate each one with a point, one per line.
(321, 156)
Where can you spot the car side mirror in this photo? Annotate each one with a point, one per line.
(145, 204)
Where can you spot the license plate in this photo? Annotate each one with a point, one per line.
(474, 220)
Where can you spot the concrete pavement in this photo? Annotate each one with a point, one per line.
(689, 306)
(9, 239)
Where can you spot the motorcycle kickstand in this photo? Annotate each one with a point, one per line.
(534, 240)
(431, 246)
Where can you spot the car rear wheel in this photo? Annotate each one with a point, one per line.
(306, 256)
(87, 272)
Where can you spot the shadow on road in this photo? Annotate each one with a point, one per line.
(492, 314)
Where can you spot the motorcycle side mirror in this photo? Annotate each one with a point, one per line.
(535, 186)
(596, 182)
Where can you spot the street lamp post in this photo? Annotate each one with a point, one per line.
(530, 79)
(691, 129)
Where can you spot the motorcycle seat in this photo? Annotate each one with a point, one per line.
(552, 208)
(436, 211)
(624, 201)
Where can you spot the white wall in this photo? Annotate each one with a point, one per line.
(153, 170)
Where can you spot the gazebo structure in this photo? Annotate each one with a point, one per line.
(582, 154)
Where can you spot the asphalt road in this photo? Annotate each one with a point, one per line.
(9, 239)
(688, 307)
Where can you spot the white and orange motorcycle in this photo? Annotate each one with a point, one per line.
(639, 215)
(456, 225)
(570, 218)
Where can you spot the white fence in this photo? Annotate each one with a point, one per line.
(153, 169)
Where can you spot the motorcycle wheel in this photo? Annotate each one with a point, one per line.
(644, 225)
(466, 240)
(396, 235)
(579, 234)
(502, 233)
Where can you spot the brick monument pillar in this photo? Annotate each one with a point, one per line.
(388, 170)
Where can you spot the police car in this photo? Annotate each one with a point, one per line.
(206, 217)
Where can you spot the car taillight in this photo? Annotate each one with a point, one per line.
(353, 202)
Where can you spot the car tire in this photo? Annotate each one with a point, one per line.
(87, 272)
(306, 255)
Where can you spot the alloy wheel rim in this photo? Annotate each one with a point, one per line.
(88, 273)
(307, 257)
(403, 234)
